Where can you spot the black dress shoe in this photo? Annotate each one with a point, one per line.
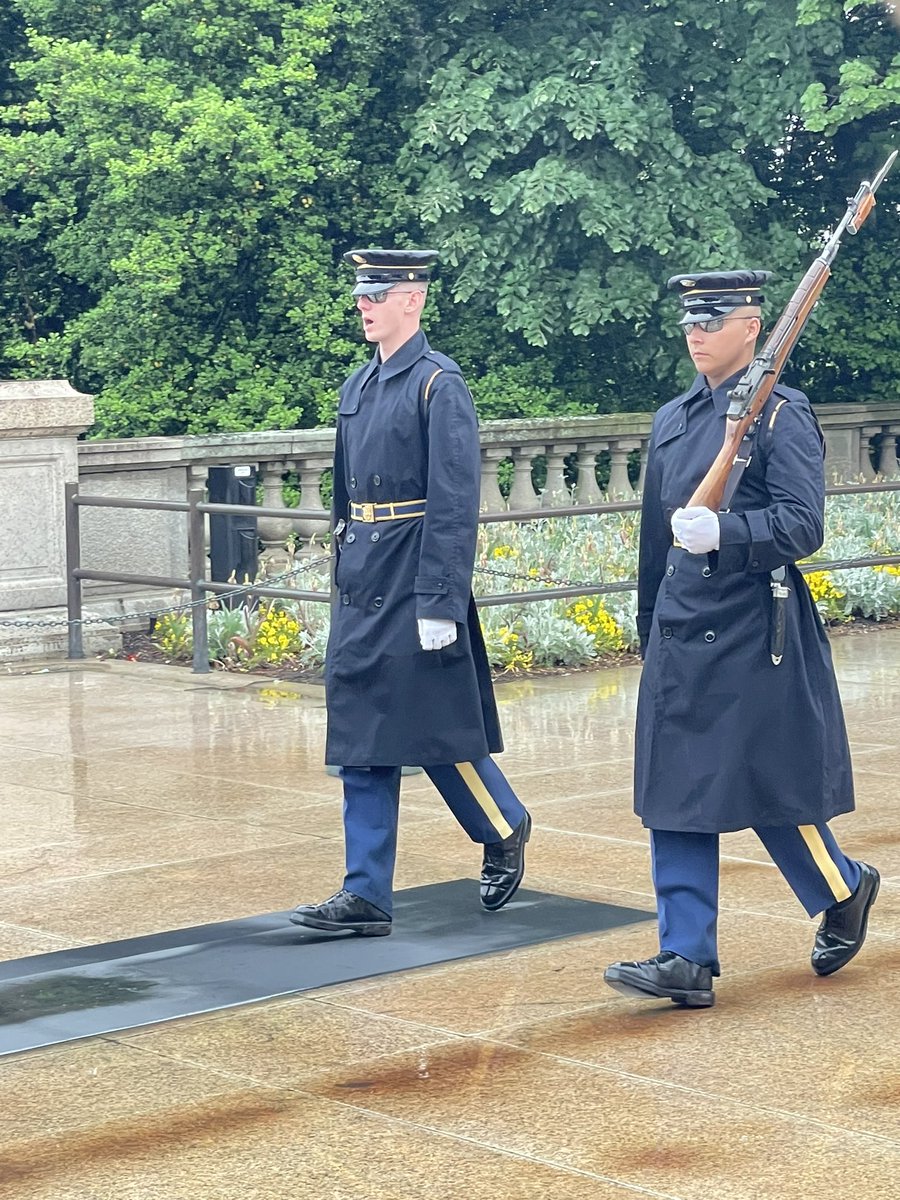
(843, 930)
(343, 910)
(668, 976)
(503, 866)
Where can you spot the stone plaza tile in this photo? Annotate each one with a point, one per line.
(511, 1075)
(779, 1036)
(145, 1124)
(663, 1137)
(286, 1044)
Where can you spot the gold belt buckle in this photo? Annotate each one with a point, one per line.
(367, 513)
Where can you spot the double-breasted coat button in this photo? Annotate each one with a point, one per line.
(376, 536)
(667, 632)
(706, 572)
(345, 599)
(378, 601)
(376, 479)
(351, 537)
(670, 570)
(353, 481)
(709, 635)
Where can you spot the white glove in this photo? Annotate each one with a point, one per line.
(696, 529)
(435, 635)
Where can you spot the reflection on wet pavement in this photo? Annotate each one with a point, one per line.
(139, 799)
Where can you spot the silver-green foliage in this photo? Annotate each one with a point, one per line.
(603, 549)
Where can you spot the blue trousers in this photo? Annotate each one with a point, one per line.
(686, 880)
(477, 793)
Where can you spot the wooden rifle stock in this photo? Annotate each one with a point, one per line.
(749, 395)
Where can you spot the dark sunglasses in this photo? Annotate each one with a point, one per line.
(713, 325)
(381, 297)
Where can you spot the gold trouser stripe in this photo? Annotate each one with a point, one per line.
(475, 784)
(824, 861)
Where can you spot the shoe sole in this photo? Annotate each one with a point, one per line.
(515, 887)
(364, 929)
(679, 996)
(862, 936)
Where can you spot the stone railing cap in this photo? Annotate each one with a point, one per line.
(43, 407)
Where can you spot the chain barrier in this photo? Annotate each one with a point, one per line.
(806, 568)
(537, 578)
(516, 576)
(184, 606)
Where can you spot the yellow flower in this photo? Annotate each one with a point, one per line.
(593, 617)
(821, 586)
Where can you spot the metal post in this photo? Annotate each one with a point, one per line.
(73, 583)
(197, 560)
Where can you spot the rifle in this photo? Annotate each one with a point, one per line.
(749, 395)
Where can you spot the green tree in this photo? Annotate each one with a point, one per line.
(851, 115)
(570, 157)
(178, 179)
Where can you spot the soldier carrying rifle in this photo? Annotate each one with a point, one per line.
(739, 721)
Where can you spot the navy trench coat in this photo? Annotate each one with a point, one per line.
(389, 702)
(725, 739)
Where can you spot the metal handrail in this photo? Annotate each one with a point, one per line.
(199, 586)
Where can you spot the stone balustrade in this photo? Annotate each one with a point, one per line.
(583, 460)
(525, 464)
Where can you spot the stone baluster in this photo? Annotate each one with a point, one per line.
(888, 466)
(310, 472)
(587, 489)
(522, 496)
(644, 447)
(619, 483)
(866, 435)
(491, 497)
(273, 531)
(556, 492)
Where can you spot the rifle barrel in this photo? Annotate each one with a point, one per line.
(750, 393)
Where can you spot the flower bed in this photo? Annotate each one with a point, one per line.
(561, 633)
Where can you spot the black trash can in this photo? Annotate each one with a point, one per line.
(233, 538)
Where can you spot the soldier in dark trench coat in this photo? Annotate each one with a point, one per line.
(727, 738)
(407, 676)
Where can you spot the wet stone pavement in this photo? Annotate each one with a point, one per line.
(140, 799)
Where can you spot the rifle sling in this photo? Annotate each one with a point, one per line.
(780, 592)
(739, 466)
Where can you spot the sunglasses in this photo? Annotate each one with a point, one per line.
(713, 325)
(381, 297)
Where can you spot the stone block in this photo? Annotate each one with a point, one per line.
(39, 422)
(36, 634)
(134, 540)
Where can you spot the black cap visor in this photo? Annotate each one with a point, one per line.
(373, 289)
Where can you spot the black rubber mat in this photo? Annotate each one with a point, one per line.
(91, 990)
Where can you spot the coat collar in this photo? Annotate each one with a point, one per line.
(401, 360)
(719, 394)
(691, 394)
(368, 371)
